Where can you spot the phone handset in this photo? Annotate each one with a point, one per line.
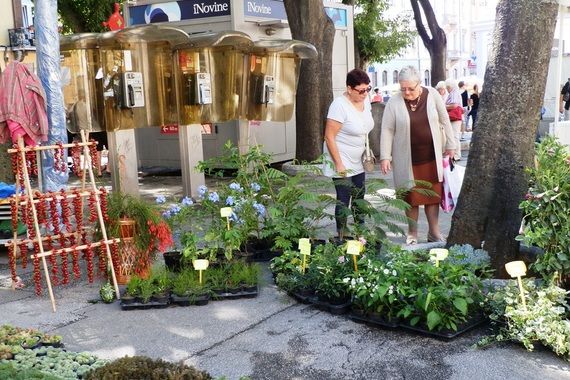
(131, 95)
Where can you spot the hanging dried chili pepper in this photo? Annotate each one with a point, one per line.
(12, 258)
(76, 158)
(75, 261)
(115, 254)
(65, 211)
(89, 257)
(41, 210)
(64, 260)
(14, 214)
(78, 209)
(103, 200)
(23, 254)
(54, 213)
(93, 153)
(102, 260)
(31, 163)
(52, 261)
(92, 207)
(37, 272)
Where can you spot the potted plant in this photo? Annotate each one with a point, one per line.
(332, 265)
(187, 289)
(142, 230)
(161, 280)
(132, 291)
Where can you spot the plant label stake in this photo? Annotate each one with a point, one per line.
(200, 265)
(517, 269)
(354, 247)
(438, 254)
(305, 249)
(226, 212)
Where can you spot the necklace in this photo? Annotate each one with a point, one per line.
(413, 107)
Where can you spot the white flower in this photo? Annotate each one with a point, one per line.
(386, 271)
(360, 280)
(394, 273)
(346, 280)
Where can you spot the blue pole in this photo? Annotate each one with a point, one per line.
(47, 50)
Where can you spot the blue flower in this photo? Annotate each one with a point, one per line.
(187, 201)
(236, 186)
(174, 209)
(259, 208)
(202, 190)
(166, 214)
(213, 197)
(255, 187)
(230, 200)
(160, 199)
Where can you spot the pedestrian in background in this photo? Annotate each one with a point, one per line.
(565, 100)
(412, 143)
(454, 106)
(465, 103)
(474, 104)
(440, 87)
(349, 121)
(377, 96)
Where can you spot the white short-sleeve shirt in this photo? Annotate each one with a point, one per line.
(351, 138)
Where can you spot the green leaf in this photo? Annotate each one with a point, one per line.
(433, 319)
(461, 305)
(428, 299)
(414, 321)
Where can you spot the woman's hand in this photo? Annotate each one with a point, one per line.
(341, 169)
(385, 166)
(449, 152)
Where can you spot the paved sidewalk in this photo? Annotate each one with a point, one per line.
(268, 337)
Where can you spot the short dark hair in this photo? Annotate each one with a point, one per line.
(461, 83)
(356, 77)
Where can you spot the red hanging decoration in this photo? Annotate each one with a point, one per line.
(64, 260)
(54, 213)
(102, 260)
(115, 254)
(31, 163)
(76, 158)
(53, 261)
(75, 261)
(65, 211)
(103, 200)
(24, 254)
(93, 153)
(12, 258)
(41, 210)
(78, 209)
(89, 258)
(92, 207)
(37, 273)
(115, 21)
(14, 214)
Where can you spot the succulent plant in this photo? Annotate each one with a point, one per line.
(107, 293)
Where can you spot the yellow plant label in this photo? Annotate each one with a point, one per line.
(516, 268)
(226, 212)
(305, 246)
(353, 247)
(438, 254)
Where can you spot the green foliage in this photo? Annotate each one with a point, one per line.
(377, 37)
(187, 284)
(133, 287)
(107, 292)
(10, 371)
(547, 208)
(544, 319)
(142, 367)
(407, 285)
(81, 16)
(161, 279)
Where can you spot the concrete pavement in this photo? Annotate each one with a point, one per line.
(268, 337)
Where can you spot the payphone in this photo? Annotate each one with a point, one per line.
(133, 91)
(199, 88)
(264, 89)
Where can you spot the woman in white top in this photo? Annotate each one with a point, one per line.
(453, 101)
(349, 121)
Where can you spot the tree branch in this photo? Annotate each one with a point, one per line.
(436, 31)
(419, 24)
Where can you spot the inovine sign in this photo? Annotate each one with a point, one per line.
(177, 11)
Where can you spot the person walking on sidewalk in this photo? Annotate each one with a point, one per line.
(349, 121)
(412, 142)
(465, 103)
(474, 104)
(565, 100)
(454, 105)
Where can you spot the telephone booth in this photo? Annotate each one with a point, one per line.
(272, 78)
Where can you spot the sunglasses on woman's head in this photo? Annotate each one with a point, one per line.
(360, 92)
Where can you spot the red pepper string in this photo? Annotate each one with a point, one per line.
(31, 163)
(84, 239)
(93, 153)
(52, 261)
(65, 211)
(54, 214)
(24, 254)
(78, 209)
(102, 260)
(64, 260)
(37, 273)
(75, 261)
(115, 254)
(14, 214)
(92, 207)
(58, 158)
(41, 211)
(89, 257)
(103, 200)
(45, 207)
(30, 219)
(16, 166)
(12, 257)
(76, 158)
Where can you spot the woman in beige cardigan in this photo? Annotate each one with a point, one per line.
(411, 143)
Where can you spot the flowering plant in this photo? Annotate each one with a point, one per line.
(332, 265)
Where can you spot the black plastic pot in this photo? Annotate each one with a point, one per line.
(172, 260)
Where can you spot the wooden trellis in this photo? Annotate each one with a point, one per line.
(33, 201)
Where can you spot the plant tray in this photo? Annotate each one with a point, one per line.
(187, 301)
(447, 334)
(306, 299)
(363, 318)
(148, 305)
(332, 308)
(240, 294)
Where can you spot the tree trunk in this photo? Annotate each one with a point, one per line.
(436, 44)
(309, 22)
(503, 143)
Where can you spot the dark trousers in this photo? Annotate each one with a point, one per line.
(347, 188)
(473, 114)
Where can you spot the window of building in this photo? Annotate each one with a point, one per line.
(454, 73)
(384, 78)
(395, 76)
(427, 78)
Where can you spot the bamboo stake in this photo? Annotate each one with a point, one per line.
(49, 147)
(28, 187)
(76, 248)
(58, 197)
(88, 163)
(15, 232)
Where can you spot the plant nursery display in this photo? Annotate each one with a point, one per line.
(541, 319)
(546, 210)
